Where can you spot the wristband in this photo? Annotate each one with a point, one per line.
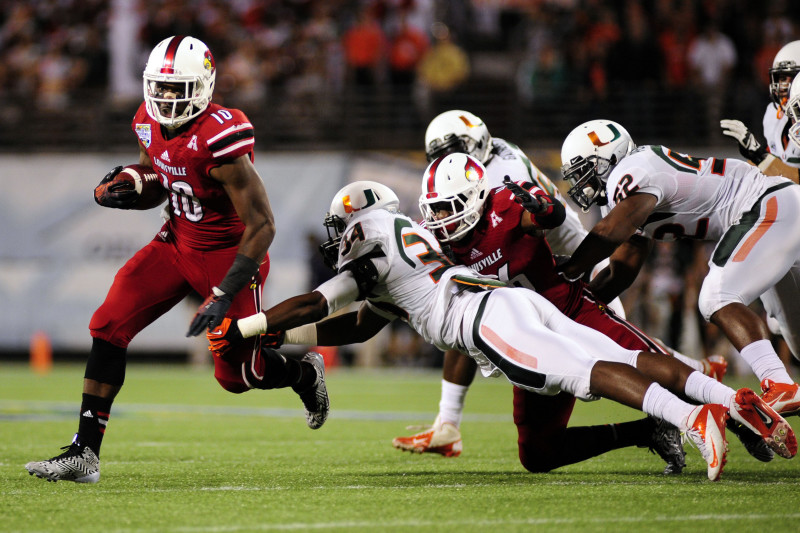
(252, 325)
(766, 162)
(305, 334)
(242, 269)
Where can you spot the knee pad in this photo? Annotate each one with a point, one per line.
(534, 458)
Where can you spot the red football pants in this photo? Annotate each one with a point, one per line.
(162, 274)
(542, 420)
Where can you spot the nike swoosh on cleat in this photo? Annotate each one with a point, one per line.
(713, 463)
(764, 417)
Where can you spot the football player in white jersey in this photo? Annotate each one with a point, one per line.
(397, 268)
(652, 192)
(459, 131)
(775, 156)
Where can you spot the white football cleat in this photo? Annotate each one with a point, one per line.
(315, 399)
(707, 432)
(78, 463)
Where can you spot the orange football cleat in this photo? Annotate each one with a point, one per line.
(754, 413)
(783, 397)
(715, 366)
(442, 438)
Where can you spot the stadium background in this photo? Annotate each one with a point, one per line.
(326, 113)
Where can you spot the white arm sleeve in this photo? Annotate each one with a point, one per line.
(340, 291)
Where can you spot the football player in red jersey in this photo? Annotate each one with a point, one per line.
(499, 232)
(214, 242)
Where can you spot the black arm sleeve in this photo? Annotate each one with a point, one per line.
(364, 272)
(241, 272)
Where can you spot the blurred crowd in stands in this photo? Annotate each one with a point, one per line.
(667, 69)
(630, 58)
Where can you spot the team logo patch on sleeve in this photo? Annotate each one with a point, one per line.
(144, 134)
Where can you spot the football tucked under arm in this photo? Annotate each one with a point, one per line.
(131, 187)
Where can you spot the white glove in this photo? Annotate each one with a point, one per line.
(749, 146)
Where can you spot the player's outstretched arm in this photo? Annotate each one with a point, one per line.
(300, 316)
(609, 233)
(296, 311)
(348, 328)
(624, 265)
(296, 321)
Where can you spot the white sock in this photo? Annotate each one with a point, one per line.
(451, 404)
(708, 390)
(694, 363)
(661, 403)
(761, 357)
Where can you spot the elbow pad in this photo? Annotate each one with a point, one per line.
(339, 291)
(364, 272)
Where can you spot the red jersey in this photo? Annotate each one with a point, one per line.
(499, 246)
(201, 214)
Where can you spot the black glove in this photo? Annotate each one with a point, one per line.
(119, 195)
(273, 340)
(210, 313)
(530, 202)
(750, 146)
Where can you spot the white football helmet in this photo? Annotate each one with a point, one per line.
(177, 62)
(793, 110)
(457, 131)
(351, 200)
(455, 184)
(588, 155)
(785, 67)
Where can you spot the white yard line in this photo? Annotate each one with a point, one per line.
(15, 410)
(439, 523)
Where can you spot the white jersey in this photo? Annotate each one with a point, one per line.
(776, 125)
(413, 274)
(751, 217)
(512, 331)
(508, 160)
(697, 198)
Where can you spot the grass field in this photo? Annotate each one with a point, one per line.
(182, 455)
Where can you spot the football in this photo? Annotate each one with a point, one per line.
(146, 183)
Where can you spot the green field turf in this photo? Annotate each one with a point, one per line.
(182, 455)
